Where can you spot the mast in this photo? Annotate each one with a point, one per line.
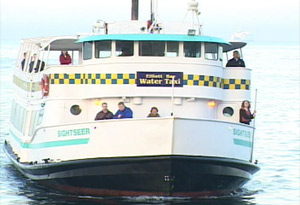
(134, 10)
(152, 17)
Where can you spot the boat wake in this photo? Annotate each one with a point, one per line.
(239, 196)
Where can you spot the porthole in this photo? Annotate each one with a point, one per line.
(228, 111)
(75, 110)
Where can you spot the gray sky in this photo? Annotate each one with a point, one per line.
(265, 20)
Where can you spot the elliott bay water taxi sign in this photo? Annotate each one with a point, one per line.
(159, 79)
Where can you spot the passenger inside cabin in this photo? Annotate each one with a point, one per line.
(23, 61)
(153, 112)
(104, 114)
(123, 112)
(126, 52)
(236, 61)
(245, 113)
(36, 64)
(65, 58)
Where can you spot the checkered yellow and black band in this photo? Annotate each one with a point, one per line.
(130, 79)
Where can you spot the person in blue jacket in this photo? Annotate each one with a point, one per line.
(123, 112)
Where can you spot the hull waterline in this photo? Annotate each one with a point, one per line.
(135, 176)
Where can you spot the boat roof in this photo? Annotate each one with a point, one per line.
(57, 43)
(153, 37)
(233, 46)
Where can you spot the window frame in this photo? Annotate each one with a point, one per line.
(116, 49)
(140, 53)
(193, 43)
(217, 51)
(90, 56)
(97, 52)
(167, 47)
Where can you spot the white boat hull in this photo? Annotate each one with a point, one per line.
(136, 137)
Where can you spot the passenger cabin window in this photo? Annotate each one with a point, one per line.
(172, 49)
(103, 49)
(192, 49)
(151, 48)
(211, 51)
(87, 50)
(124, 48)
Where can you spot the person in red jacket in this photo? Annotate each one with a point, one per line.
(65, 58)
(245, 114)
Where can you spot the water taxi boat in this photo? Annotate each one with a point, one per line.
(197, 147)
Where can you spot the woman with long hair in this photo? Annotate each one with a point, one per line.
(245, 114)
(65, 58)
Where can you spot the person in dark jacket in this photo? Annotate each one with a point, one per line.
(245, 114)
(104, 114)
(65, 58)
(39, 64)
(23, 61)
(123, 112)
(235, 61)
(153, 112)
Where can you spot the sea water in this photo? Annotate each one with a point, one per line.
(275, 75)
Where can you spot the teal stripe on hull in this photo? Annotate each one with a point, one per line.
(59, 143)
(242, 142)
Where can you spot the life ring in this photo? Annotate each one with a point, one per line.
(45, 85)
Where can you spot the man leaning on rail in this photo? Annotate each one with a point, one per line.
(236, 61)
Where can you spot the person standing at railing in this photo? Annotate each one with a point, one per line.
(153, 112)
(245, 114)
(39, 65)
(23, 61)
(236, 61)
(104, 114)
(65, 58)
(123, 112)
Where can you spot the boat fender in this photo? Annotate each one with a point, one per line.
(45, 85)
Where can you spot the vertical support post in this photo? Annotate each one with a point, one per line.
(48, 53)
(20, 56)
(241, 53)
(72, 61)
(152, 12)
(227, 56)
(255, 101)
(252, 147)
(135, 10)
(172, 97)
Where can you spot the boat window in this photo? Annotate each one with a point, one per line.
(228, 111)
(172, 49)
(87, 50)
(211, 51)
(75, 110)
(124, 48)
(192, 49)
(21, 113)
(19, 118)
(13, 110)
(32, 122)
(103, 49)
(151, 48)
(40, 115)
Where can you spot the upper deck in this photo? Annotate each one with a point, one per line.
(196, 62)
